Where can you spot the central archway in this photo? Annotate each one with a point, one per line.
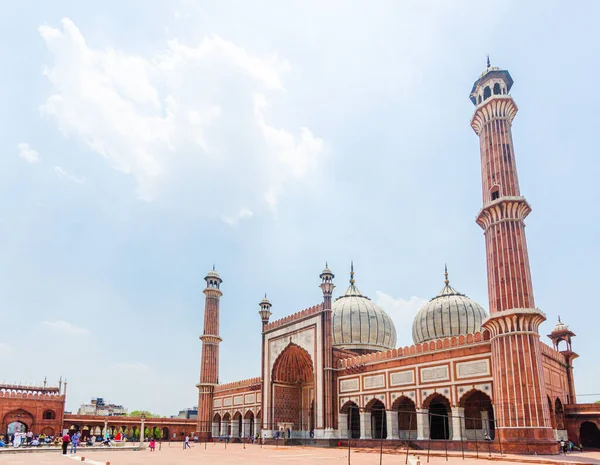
(378, 419)
(407, 417)
(292, 380)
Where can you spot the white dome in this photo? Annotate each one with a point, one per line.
(359, 324)
(448, 314)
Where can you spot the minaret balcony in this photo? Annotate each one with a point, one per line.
(503, 209)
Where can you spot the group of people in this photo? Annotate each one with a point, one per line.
(22, 439)
(566, 447)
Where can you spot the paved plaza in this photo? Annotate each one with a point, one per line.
(235, 454)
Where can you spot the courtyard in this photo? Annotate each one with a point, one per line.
(234, 454)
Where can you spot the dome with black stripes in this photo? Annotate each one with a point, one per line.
(448, 314)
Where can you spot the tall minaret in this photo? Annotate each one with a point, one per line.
(327, 287)
(520, 405)
(209, 365)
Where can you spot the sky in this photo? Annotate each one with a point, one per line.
(143, 142)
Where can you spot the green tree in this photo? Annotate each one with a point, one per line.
(137, 413)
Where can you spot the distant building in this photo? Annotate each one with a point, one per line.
(97, 406)
(188, 413)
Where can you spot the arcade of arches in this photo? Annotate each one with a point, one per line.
(472, 419)
(236, 426)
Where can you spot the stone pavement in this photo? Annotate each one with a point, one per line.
(255, 455)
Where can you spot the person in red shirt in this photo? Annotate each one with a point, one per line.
(65, 443)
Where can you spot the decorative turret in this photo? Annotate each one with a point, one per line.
(561, 332)
(265, 311)
(327, 285)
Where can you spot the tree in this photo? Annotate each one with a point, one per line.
(137, 413)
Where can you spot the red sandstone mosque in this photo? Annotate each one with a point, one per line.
(335, 371)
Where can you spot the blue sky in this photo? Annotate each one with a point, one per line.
(144, 141)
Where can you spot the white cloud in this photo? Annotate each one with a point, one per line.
(402, 311)
(65, 327)
(6, 349)
(64, 174)
(243, 214)
(27, 153)
(188, 123)
(140, 368)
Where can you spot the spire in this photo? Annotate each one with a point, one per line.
(488, 61)
(213, 267)
(446, 282)
(559, 319)
(352, 273)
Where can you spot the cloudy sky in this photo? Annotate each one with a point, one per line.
(144, 141)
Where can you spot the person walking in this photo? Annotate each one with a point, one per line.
(75, 442)
(152, 444)
(65, 442)
(186, 443)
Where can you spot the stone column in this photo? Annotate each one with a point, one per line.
(142, 430)
(224, 426)
(422, 423)
(235, 429)
(392, 424)
(343, 425)
(245, 428)
(458, 424)
(485, 423)
(256, 426)
(365, 425)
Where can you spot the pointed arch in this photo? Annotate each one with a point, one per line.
(479, 414)
(293, 365)
(378, 418)
(438, 407)
(405, 408)
(352, 418)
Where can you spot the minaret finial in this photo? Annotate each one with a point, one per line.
(559, 319)
(446, 282)
(352, 272)
(213, 267)
(488, 61)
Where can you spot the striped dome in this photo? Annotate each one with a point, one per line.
(448, 314)
(360, 324)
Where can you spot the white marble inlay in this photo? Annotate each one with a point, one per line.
(434, 373)
(250, 398)
(217, 403)
(375, 381)
(470, 369)
(238, 400)
(402, 377)
(347, 385)
(227, 402)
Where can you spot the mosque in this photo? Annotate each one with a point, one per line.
(335, 371)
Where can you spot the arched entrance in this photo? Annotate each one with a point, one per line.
(350, 409)
(589, 434)
(479, 415)
(438, 407)
(226, 425)
(378, 419)
(248, 431)
(559, 414)
(17, 421)
(551, 410)
(216, 426)
(407, 417)
(236, 426)
(165, 432)
(292, 381)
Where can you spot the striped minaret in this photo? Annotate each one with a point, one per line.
(209, 365)
(520, 405)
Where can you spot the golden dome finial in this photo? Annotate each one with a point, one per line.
(446, 282)
(352, 272)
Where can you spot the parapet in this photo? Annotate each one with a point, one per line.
(416, 349)
(294, 317)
